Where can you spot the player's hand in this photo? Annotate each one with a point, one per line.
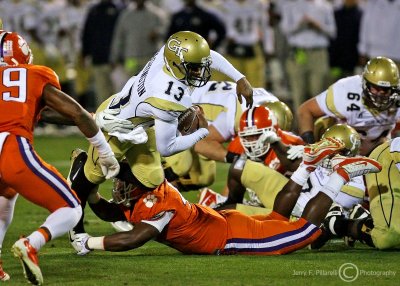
(243, 88)
(80, 244)
(109, 165)
(269, 137)
(295, 152)
(137, 136)
(108, 121)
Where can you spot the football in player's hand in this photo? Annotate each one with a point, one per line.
(188, 121)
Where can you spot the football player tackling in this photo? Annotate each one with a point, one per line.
(164, 215)
(154, 99)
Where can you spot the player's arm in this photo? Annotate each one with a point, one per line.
(69, 108)
(307, 113)
(211, 146)
(121, 241)
(49, 115)
(280, 150)
(168, 143)
(243, 87)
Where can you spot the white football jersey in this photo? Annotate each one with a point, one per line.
(344, 100)
(315, 183)
(221, 106)
(152, 94)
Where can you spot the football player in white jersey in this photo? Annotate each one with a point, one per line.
(196, 167)
(367, 102)
(154, 98)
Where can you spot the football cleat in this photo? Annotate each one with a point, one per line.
(3, 275)
(78, 159)
(27, 255)
(209, 198)
(351, 167)
(314, 154)
(358, 212)
(327, 227)
(75, 239)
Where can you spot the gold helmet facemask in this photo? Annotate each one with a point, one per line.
(187, 57)
(380, 83)
(282, 112)
(348, 135)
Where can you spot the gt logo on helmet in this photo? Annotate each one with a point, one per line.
(174, 45)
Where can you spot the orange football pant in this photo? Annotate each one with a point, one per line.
(22, 170)
(260, 235)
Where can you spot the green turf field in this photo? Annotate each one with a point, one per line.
(155, 264)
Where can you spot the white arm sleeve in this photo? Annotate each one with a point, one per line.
(168, 143)
(160, 220)
(221, 64)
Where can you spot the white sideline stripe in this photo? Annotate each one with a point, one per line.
(45, 173)
(238, 245)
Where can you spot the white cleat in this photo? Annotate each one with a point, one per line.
(351, 167)
(314, 154)
(27, 255)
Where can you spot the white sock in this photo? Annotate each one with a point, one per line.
(333, 186)
(6, 215)
(37, 240)
(58, 223)
(301, 175)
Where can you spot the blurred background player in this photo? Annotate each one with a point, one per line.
(366, 102)
(26, 89)
(155, 98)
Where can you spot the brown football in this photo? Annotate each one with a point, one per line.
(188, 121)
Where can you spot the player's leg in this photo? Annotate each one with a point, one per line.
(385, 233)
(313, 155)
(40, 183)
(264, 181)
(8, 198)
(85, 176)
(247, 235)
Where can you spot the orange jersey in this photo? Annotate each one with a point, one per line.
(191, 225)
(197, 229)
(21, 89)
(271, 159)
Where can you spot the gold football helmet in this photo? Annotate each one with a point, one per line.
(348, 135)
(187, 57)
(321, 125)
(380, 82)
(282, 112)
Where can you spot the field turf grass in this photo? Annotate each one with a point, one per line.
(156, 264)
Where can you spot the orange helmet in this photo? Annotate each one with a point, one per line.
(253, 123)
(14, 50)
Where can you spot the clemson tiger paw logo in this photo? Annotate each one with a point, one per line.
(149, 201)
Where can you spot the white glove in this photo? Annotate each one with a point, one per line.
(269, 137)
(109, 165)
(295, 152)
(79, 243)
(109, 122)
(137, 136)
